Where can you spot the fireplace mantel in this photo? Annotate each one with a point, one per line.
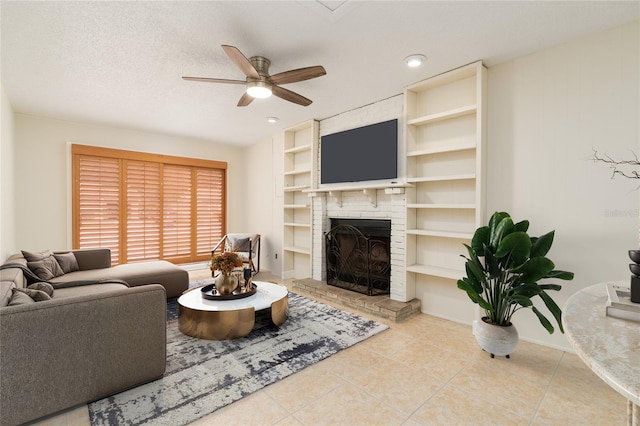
(369, 190)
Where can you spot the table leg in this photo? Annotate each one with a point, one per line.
(633, 414)
(280, 311)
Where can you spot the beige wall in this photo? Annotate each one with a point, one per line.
(547, 112)
(260, 202)
(42, 172)
(7, 146)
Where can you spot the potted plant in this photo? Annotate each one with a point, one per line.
(503, 270)
(225, 262)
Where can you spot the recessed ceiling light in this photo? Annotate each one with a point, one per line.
(414, 61)
(272, 119)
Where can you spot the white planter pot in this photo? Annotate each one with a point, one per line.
(495, 339)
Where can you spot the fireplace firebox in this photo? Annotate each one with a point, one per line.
(358, 255)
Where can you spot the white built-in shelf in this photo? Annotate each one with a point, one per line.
(445, 134)
(296, 172)
(295, 188)
(299, 225)
(441, 206)
(296, 206)
(442, 234)
(444, 115)
(301, 148)
(370, 190)
(441, 178)
(453, 147)
(436, 271)
(301, 250)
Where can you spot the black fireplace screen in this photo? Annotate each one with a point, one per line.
(356, 260)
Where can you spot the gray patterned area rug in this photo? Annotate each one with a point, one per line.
(204, 375)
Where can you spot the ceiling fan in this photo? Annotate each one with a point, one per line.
(259, 83)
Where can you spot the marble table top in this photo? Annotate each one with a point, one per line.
(609, 346)
(266, 294)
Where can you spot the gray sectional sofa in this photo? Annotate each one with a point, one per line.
(101, 331)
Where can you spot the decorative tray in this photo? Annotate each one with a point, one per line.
(210, 292)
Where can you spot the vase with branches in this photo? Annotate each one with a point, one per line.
(627, 169)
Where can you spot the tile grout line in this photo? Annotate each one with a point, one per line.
(547, 387)
(440, 389)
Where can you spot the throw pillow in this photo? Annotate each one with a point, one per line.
(241, 244)
(20, 298)
(36, 295)
(46, 269)
(67, 261)
(43, 264)
(46, 287)
(35, 256)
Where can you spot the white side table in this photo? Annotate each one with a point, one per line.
(609, 346)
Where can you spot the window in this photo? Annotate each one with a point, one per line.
(147, 206)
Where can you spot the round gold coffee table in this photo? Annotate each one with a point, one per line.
(230, 319)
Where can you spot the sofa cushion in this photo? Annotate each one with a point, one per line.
(86, 290)
(174, 278)
(67, 261)
(20, 298)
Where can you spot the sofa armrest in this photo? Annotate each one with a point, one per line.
(98, 258)
(63, 352)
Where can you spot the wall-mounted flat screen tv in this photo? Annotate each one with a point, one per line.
(362, 154)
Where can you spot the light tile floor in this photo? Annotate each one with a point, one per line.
(425, 371)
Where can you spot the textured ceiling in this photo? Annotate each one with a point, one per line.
(121, 63)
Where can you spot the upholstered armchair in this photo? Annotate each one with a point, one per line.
(246, 245)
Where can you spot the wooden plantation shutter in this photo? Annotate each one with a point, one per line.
(147, 206)
(143, 211)
(177, 213)
(209, 209)
(97, 204)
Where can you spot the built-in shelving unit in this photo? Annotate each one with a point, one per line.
(445, 166)
(300, 148)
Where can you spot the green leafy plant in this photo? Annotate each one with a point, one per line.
(503, 270)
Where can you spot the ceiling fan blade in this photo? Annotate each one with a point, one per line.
(245, 100)
(241, 61)
(290, 96)
(214, 80)
(300, 74)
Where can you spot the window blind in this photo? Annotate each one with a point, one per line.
(143, 183)
(98, 204)
(147, 206)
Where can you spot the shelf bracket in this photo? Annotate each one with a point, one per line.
(372, 195)
(337, 196)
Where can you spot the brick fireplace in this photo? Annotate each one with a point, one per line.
(357, 255)
(357, 205)
(365, 200)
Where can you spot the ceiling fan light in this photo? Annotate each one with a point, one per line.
(414, 61)
(258, 89)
